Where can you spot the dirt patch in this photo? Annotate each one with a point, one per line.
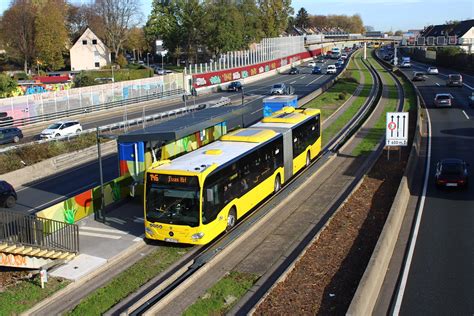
(11, 276)
(325, 279)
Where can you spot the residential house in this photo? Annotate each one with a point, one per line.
(463, 31)
(89, 52)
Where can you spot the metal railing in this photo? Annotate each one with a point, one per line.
(91, 108)
(29, 230)
(132, 122)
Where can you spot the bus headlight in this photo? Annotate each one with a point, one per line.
(148, 231)
(197, 236)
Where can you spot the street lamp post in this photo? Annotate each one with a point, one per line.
(100, 215)
(162, 63)
(148, 59)
(243, 97)
(113, 77)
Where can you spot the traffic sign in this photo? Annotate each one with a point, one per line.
(396, 129)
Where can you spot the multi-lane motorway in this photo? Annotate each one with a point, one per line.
(52, 190)
(438, 277)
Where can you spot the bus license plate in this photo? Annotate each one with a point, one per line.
(451, 184)
(171, 240)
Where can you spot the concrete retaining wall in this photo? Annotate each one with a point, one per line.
(57, 164)
(365, 298)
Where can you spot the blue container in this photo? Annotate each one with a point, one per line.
(277, 102)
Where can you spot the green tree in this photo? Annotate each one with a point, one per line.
(18, 31)
(252, 29)
(51, 34)
(274, 15)
(398, 33)
(302, 18)
(83, 80)
(7, 85)
(163, 24)
(223, 26)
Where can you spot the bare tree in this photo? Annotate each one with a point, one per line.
(118, 16)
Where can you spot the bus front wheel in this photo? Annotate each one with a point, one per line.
(277, 184)
(231, 219)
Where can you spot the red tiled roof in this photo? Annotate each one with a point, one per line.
(52, 80)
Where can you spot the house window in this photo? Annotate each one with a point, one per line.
(97, 65)
(84, 42)
(94, 42)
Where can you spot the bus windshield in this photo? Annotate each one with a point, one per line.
(172, 205)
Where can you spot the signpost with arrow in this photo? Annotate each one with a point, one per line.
(396, 129)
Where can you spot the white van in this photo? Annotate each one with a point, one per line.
(331, 69)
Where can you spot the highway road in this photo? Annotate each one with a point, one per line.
(52, 190)
(438, 277)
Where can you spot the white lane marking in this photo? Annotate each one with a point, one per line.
(103, 230)
(406, 268)
(438, 84)
(468, 86)
(314, 80)
(465, 114)
(138, 220)
(139, 238)
(98, 235)
(303, 77)
(38, 208)
(292, 82)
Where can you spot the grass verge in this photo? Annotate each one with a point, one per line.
(127, 282)
(12, 160)
(220, 298)
(26, 293)
(344, 118)
(376, 132)
(340, 92)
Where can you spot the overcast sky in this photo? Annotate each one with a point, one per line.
(383, 15)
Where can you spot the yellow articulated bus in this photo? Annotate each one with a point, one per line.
(195, 197)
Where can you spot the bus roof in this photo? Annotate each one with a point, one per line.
(218, 152)
(287, 118)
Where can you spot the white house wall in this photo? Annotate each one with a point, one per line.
(85, 57)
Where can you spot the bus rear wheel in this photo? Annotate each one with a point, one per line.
(277, 186)
(231, 219)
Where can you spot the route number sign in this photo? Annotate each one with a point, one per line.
(396, 129)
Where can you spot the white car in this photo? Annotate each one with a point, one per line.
(312, 64)
(61, 129)
(405, 64)
(432, 70)
(331, 69)
(278, 88)
(344, 56)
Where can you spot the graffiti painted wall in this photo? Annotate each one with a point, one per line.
(228, 75)
(86, 203)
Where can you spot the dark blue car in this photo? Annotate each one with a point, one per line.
(7, 194)
(316, 70)
(10, 135)
(338, 65)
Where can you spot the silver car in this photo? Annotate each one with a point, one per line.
(278, 88)
(443, 99)
(432, 70)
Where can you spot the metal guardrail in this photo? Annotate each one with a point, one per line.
(29, 230)
(91, 108)
(126, 124)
